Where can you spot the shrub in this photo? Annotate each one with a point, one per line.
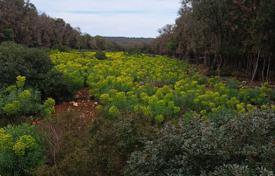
(204, 148)
(100, 55)
(55, 86)
(16, 101)
(21, 150)
(18, 60)
(36, 66)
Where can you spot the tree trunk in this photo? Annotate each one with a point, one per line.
(256, 66)
(205, 59)
(268, 69)
(219, 65)
(263, 70)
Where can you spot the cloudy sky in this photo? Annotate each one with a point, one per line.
(131, 18)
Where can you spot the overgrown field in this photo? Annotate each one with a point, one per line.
(157, 87)
(150, 115)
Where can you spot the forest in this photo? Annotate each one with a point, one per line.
(198, 100)
(21, 22)
(224, 36)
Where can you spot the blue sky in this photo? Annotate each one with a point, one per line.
(131, 18)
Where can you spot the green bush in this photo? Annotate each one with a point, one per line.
(36, 66)
(55, 86)
(204, 148)
(21, 150)
(17, 101)
(18, 60)
(100, 55)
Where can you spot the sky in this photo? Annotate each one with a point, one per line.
(129, 18)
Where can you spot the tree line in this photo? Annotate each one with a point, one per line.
(228, 36)
(21, 22)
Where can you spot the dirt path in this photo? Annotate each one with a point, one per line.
(81, 104)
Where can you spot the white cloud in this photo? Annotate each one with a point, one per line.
(135, 18)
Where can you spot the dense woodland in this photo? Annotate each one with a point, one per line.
(21, 22)
(231, 37)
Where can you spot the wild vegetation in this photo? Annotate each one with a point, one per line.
(135, 83)
(66, 112)
(135, 102)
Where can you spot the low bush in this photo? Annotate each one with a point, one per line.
(55, 86)
(239, 146)
(21, 150)
(17, 101)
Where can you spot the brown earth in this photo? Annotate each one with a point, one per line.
(81, 104)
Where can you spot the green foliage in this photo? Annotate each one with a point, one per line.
(76, 67)
(36, 66)
(237, 146)
(18, 60)
(161, 88)
(54, 85)
(48, 107)
(17, 101)
(21, 150)
(155, 87)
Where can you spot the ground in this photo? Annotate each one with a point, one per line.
(81, 104)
